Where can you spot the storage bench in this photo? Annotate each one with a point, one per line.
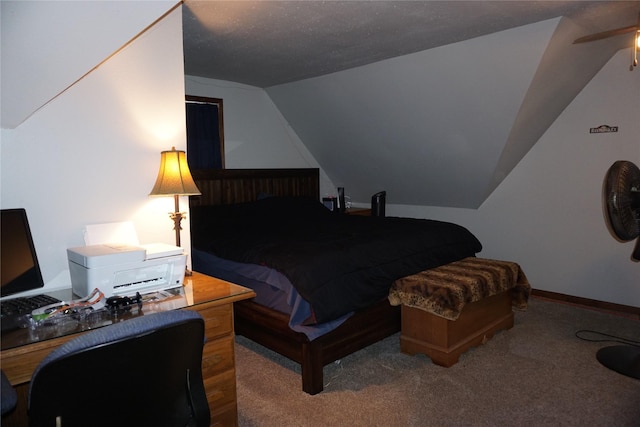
(451, 308)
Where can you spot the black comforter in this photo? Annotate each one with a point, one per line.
(338, 263)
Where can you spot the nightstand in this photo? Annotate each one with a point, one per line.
(358, 211)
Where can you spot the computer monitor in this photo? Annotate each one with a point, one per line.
(19, 266)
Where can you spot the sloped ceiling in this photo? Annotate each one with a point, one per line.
(267, 43)
(47, 46)
(434, 102)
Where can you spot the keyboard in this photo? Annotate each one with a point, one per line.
(11, 310)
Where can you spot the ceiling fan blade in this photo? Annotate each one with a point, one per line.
(606, 34)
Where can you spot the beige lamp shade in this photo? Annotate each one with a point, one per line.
(174, 177)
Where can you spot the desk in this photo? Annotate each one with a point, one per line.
(23, 349)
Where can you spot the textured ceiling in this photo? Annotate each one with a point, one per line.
(266, 43)
(435, 102)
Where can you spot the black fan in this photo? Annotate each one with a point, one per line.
(622, 193)
(622, 189)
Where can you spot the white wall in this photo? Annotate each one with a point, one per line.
(92, 154)
(65, 38)
(256, 135)
(416, 117)
(548, 215)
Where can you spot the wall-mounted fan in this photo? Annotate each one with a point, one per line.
(616, 32)
(622, 198)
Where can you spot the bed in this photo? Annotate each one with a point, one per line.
(321, 279)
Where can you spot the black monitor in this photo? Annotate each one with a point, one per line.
(19, 266)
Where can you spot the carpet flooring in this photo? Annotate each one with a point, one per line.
(536, 374)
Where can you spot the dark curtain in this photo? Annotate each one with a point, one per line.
(203, 136)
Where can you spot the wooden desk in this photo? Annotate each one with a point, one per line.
(212, 298)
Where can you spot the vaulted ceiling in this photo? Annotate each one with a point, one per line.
(433, 101)
(267, 43)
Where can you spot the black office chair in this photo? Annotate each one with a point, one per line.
(8, 396)
(146, 371)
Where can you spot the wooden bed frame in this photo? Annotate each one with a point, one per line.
(268, 327)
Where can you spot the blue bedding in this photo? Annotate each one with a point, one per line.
(272, 290)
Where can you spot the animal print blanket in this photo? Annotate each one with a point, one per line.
(445, 290)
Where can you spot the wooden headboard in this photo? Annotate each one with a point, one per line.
(228, 186)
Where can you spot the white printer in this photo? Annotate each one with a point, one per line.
(125, 269)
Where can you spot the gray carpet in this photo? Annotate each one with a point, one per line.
(536, 374)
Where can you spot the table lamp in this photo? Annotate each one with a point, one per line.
(174, 179)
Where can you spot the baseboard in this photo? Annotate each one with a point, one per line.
(620, 309)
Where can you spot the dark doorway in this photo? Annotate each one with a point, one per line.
(205, 133)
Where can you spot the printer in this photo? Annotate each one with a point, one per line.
(124, 270)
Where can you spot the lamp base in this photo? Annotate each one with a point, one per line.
(177, 219)
(623, 359)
